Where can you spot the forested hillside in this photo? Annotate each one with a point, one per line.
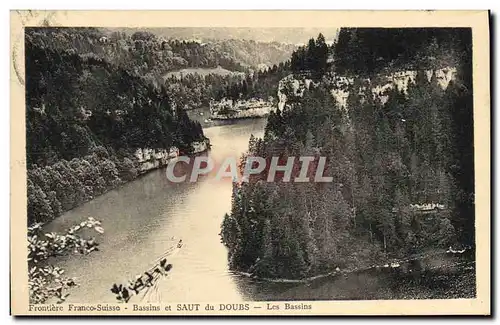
(85, 116)
(148, 54)
(247, 52)
(248, 67)
(387, 159)
(196, 90)
(95, 95)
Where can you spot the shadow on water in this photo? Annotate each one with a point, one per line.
(143, 218)
(441, 277)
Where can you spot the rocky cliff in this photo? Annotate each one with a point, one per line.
(149, 159)
(238, 109)
(379, 85)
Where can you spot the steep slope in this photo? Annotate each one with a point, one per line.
(85, 118)
(397, 139)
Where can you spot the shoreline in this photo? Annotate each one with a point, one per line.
(395, 264)
(139, 175)
(238, 118)
(224, 122)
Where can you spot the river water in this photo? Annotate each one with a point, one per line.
(144, 218)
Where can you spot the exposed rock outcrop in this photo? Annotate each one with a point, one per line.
(149, 159)
(379, 86)
(238, 109)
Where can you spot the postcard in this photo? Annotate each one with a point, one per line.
(250, 163)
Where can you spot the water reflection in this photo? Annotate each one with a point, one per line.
(143, 218)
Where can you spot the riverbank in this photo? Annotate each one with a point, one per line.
(203, 116)
(458, 282)
(233, 119)
(419, 263)
(145, 217)
(65, 185)
(228, 109)
(444, 276)
(260, 112)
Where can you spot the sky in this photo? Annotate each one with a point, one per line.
(282, 35)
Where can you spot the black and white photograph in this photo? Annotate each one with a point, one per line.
(247, 170)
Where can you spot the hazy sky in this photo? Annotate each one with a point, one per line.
(282, 35)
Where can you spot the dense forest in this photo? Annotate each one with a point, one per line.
(358, 50)
(85, 116)
(196, 90)
(94, 95)
(416, 148)
(250, 68)
(311, 58)
(144, 52)
(244, 50)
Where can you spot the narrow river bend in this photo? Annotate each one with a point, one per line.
(143, 218)
(146, 217)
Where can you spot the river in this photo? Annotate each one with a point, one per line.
(144, 218)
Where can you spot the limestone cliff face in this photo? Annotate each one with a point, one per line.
(238, 109)
(200, 146)
(149, 159)
(378, 86)
(383, 83)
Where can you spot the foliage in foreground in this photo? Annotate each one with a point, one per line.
(143, 283)
(45, 280)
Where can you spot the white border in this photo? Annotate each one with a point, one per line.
(185, 4)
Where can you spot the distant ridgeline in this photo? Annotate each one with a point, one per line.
(86, 118)
(401, 156)
(193, 71)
